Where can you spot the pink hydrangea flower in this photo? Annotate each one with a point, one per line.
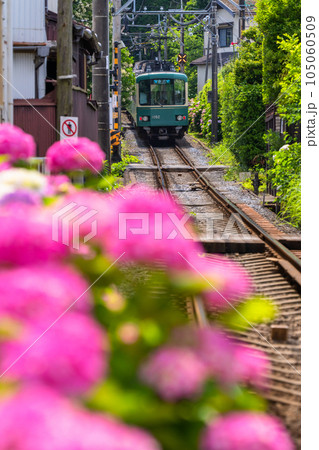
(224, 282)
(251, 366)
(21, 196)
(26, 235)
(5, 166)
(227, 361)
(42, 292)
(59, 184)
(70, 356)
(75, 154)
(246, 431)
(15, 143)
(217, 351)
(150, 226)
(97, 211)
(37, 418)
(175, 373)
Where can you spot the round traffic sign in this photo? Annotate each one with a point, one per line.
(69, 128)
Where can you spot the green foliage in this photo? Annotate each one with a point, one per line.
(240, 93)
(200, 112)
(276, 18)
(285, 176)
(255, 310)
(128, 77)
(82, 11)
(291, 202)
(119, 168)
(289, 105)
(240, 103)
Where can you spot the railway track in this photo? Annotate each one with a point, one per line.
(264, 252)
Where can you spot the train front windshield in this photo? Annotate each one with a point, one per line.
(162, 92)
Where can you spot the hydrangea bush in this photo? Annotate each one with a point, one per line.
(97, 350)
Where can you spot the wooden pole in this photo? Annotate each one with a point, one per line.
(214, 127)
(100, 77)
(182, 45)
(64, 60)
(116, 155)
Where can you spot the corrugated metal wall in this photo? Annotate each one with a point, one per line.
(87, 114)
(23, 75)
(35, 122)
(38, 118)
(28, 21)
(53, 5)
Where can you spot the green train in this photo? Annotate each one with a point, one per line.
(159, 106)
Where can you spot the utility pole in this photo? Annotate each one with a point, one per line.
(214, 126)
(182, 46)
(100, 76)
(165, 39)
(242, 17)
(117, 45)
(207, 56)
(64, 60)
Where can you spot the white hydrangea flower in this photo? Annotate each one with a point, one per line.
(15, 179)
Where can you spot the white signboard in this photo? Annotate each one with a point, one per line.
(68, 127)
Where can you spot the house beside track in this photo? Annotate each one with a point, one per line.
(29, 52)
(232, 19)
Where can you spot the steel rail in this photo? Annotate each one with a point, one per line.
(283, 251)
(161, 179)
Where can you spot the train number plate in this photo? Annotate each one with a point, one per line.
(157, 116)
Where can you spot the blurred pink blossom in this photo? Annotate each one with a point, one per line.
(70, 356)
(224, 281)
(37, 418)
(150, 226)
(75, 154)
(226, 360)
(221, 282)
(217, 351)
(251, 366)
(59, 184)
(42, 292)
(16, 143)
(26, 235)
(175, 373)
(21, 196)
(246, 431)
(101, 206)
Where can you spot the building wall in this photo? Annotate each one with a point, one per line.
(53, 5)
(6, 62)
(201, 71)
(23, 75)
(28, 21)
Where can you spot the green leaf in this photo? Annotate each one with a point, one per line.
(253, 311)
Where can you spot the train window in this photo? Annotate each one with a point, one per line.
(179, 88)
(145, 92)
(162, 92)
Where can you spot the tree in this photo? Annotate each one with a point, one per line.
(241, 103)
(289, 105)
(276, 18)
(82, 11)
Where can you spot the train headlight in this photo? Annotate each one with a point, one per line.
(180, 117)
(145, 118)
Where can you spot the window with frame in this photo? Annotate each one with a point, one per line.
(162, 91)
(225, 36)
